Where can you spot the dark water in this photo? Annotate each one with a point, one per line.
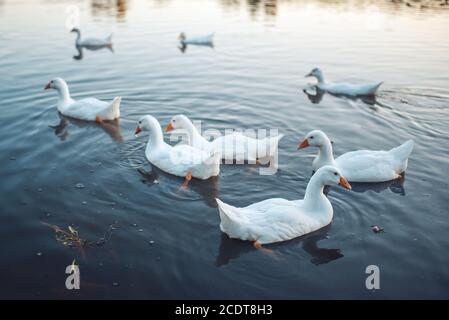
(253, 78)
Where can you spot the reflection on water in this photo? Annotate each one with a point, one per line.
(208, 190)
(269, 9)
(317, 95)
(395, 186)
(251, 80)
(109, 8)
(183, 47)
(111, 128)
(232, 249)
(80, 49)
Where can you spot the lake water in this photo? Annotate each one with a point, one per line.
(151, 240)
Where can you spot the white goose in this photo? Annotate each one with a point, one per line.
(276, 220)
(232, 146)
(207, 40)
(363, 165)
(347, 89)
(91, 43)
(181, 160)
(89, 109)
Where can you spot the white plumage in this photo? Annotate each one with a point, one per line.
(362, 165)
(276, 220)
(92, 43)
(235, 146)
(89, 109)
(206, 40)
(180, 160)
(347, 89)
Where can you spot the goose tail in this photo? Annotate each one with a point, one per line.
(401, 155)
(213, 163)
(214, 158)
(114, 108)
(374, 88)
(231, 219)
(267, 147)
(274, 144)
(377, 86)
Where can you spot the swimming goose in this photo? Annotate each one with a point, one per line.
(181, 160)
(344, 88)
(276, 220)
(206, 40)
(363, 165)
(232, 146)
(91, 43)
(89, 109)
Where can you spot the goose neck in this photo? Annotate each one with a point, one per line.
(315, 192)
(325, 154)
(156, 137)
(63, 93)
(78, 36)
(320, 78)
(193, 134)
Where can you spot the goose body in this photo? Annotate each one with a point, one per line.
(347, 89)
(89, 109)
(180, 160)
(206, 40)
(235, 146)
(362, 165)
(92, 43)
(276, 220)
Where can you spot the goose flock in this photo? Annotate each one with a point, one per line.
(269, 221)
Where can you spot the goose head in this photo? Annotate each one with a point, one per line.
(317, 73)
(178, 122)
(331, 176)
(57, 84)
(182, 36)
(75, 30)
(315, 138)
(148, 123)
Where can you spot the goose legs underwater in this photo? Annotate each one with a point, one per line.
(188, 178)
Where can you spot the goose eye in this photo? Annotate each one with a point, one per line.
(140, 122)
(311, 137)
(174, 120)
(335, 174)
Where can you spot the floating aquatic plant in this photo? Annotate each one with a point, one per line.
(69, 238)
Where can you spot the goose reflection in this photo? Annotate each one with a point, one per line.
(183, 47)
(395, 186)
(80, 49)
(208, 190)
(231, 249)
(112, 128)
(316, 96)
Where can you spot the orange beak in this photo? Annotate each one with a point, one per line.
(344, 183)
(304, 144)
(47, 86)
(138, 130)
(169, 127)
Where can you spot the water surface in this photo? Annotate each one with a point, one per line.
(151, 240)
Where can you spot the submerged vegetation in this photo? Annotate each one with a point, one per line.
(70, 238)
